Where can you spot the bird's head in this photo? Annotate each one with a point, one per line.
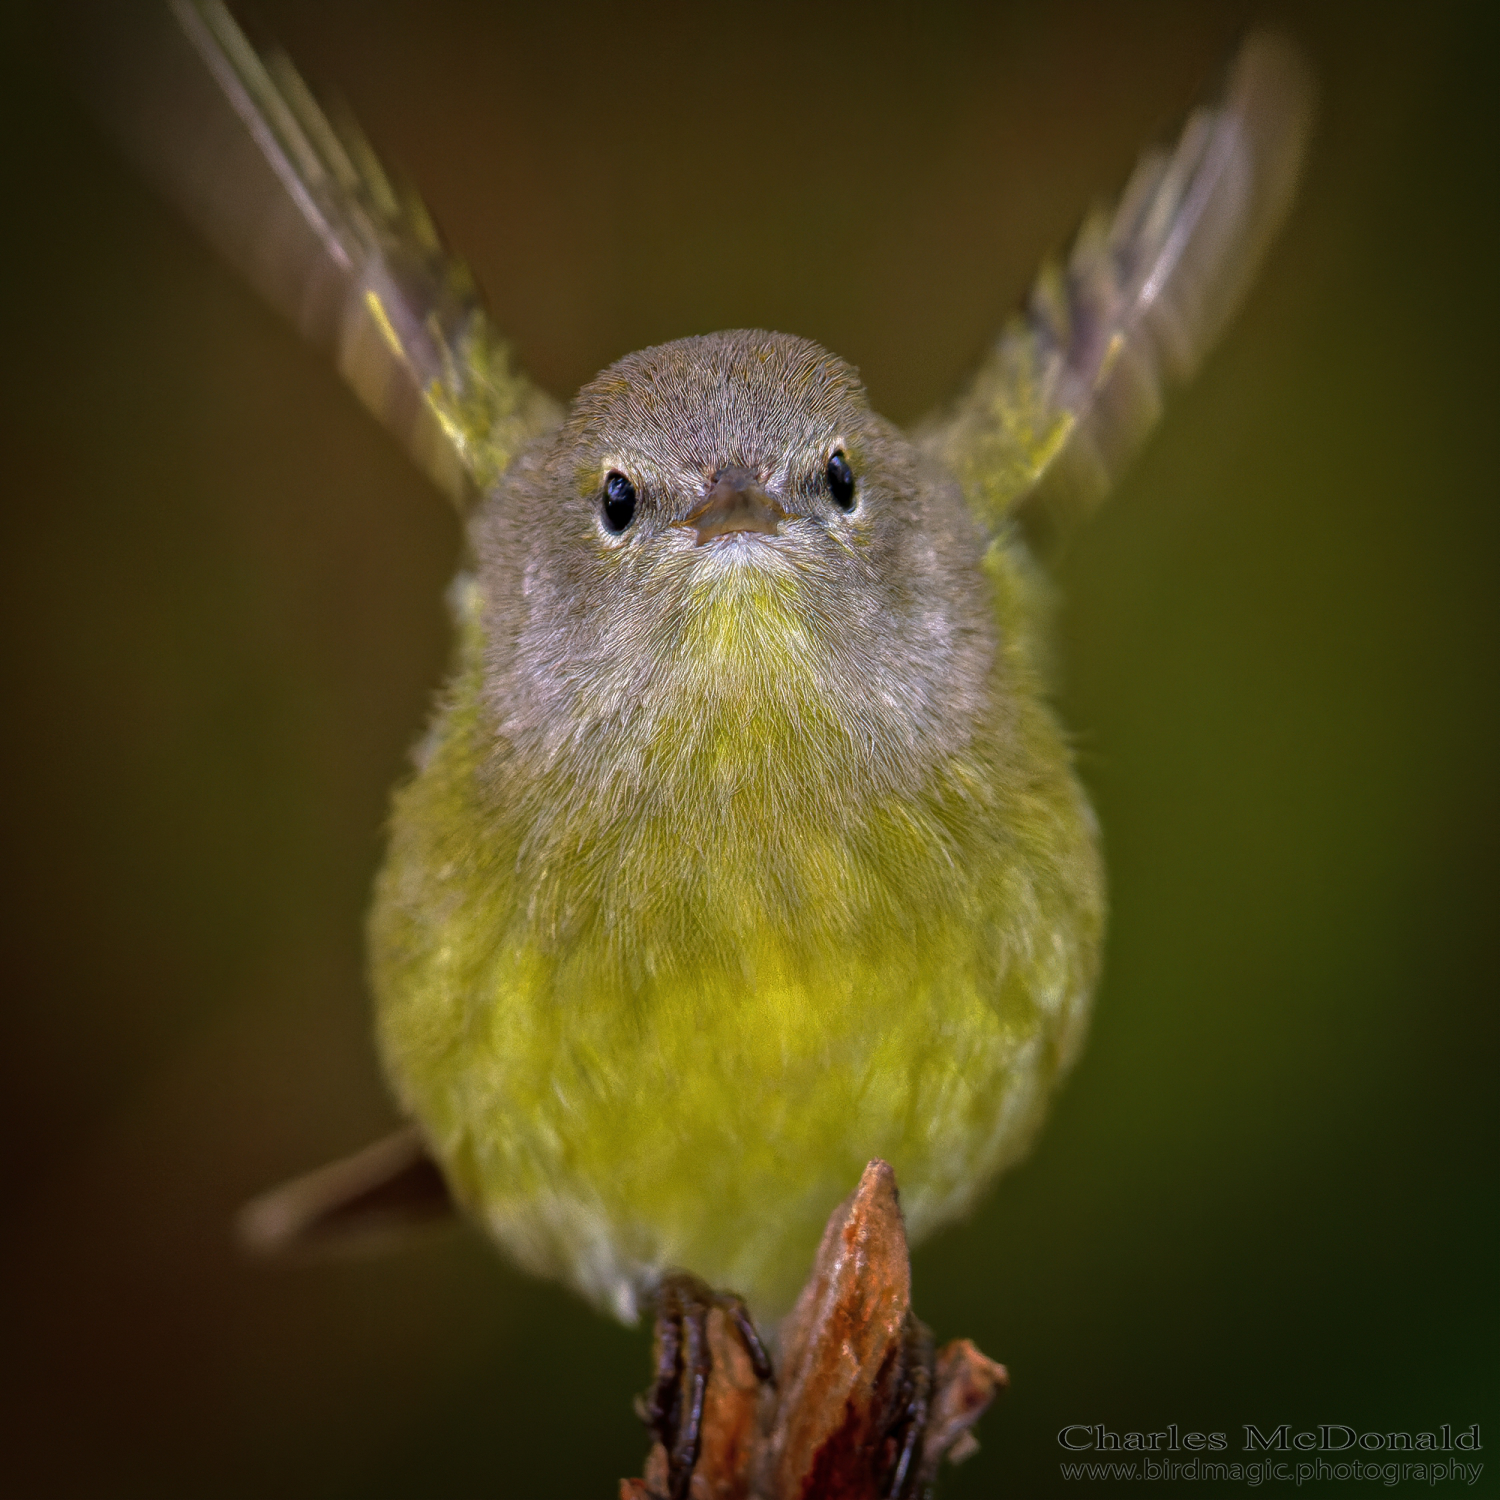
(723, 538)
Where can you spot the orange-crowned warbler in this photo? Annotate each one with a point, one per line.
(743, 846)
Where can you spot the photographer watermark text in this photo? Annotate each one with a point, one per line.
(1330, 1451)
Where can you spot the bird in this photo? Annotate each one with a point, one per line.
(744, 844)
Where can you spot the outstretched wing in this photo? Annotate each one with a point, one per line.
(1075, 381)
(300, 204)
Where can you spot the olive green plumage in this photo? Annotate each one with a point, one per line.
(743, 846)
(731, 866)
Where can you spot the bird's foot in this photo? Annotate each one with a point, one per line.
(702, 1408)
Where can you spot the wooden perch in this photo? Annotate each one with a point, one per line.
(860, 1408)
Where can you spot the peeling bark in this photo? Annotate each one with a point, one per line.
(861, 1408)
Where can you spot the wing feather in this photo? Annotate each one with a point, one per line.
(295, 198)
(1075, 381)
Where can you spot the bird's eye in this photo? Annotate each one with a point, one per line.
(841, 481)
(619, 501)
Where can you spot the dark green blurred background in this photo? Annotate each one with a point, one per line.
(1268, 1192)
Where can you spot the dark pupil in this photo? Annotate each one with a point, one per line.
(841, 481)
(619, 501)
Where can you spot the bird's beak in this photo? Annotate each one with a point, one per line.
(735, 502)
